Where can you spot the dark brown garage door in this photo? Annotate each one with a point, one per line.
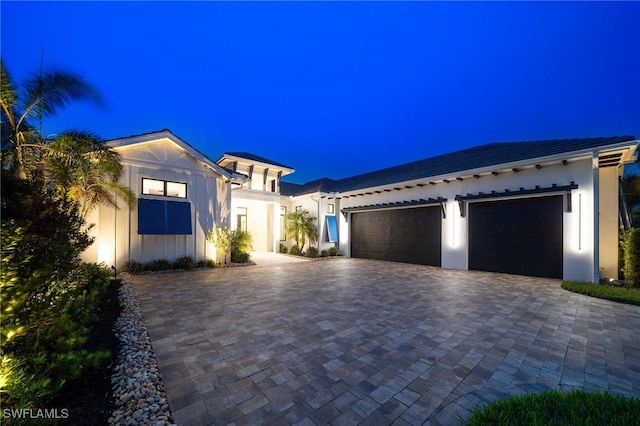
(520, 236)
(403, 235)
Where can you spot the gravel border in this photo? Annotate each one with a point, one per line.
(137, 384)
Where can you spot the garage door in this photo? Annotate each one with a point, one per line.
(401, 235)
(520, 236)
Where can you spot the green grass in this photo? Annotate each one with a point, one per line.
(558, 408)
(617, 294)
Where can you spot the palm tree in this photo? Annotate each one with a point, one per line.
(299, 226)
(76, 163)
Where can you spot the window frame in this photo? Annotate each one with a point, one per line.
(164, 188)
(240, 214)
(283, 223)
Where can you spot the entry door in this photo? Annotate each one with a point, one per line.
(411, 235)
(519, 236)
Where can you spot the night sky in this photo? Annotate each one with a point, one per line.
(338, 88)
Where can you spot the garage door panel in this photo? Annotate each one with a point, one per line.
(521, 236)
(402, 235)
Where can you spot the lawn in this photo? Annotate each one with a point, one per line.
(602, 291)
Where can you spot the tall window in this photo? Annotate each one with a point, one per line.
(283, 223)
(241, 217)
(164, 188)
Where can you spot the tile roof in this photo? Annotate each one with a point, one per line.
(254, 157)
(488, 155)
(319, 185)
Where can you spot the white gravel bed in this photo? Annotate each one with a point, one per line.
(137, 383)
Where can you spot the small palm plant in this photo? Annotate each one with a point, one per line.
(299, 227)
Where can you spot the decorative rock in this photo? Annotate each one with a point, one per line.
(137, 385)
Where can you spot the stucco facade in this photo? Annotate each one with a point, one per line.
(242, 190)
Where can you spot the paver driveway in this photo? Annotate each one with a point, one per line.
(352, 341)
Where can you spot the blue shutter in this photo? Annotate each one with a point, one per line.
(332, 229)
(178, 218)
(161, 217)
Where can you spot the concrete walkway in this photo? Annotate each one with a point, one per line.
(263, 258)
(350, 341)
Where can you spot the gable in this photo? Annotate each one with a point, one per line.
(164, 149)
(161, 152)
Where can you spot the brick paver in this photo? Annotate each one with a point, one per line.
(352, 341)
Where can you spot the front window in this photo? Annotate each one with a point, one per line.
(283, 223)
(241, 219)
(164, 188)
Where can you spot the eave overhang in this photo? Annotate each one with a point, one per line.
(614, 155)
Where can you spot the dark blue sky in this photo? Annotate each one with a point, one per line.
(339, 88)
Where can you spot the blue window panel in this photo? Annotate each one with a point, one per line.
(160, 217)
(151, 217)
(332, 229)
(178, 218)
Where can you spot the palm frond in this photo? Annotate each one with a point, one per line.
(46, 93)
(8, 96)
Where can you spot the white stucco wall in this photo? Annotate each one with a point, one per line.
(578, 225)
(263, 217)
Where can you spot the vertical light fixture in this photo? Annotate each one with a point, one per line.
(579, 221)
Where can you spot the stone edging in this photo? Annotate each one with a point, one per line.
(137, 384)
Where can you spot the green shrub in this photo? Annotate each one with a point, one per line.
(35, 365)
(48, 296)
(206, 263)
(185, 263)
(312, 252)
(559, 408)
(333, 251)
(240, 246)
(295, 250)
(283, 249)
(241, 241)
(324, 253)
(133, 267)
(240, 257)
(632, 258)
(602, 291)
(157, 265)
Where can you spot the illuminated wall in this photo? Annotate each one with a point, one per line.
(116, 230)
(578, 225)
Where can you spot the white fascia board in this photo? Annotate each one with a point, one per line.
(630, 146)
(167, 135)
(285, 170)
(314, 194)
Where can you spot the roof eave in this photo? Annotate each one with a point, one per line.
(285, 170)
(630, 157)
